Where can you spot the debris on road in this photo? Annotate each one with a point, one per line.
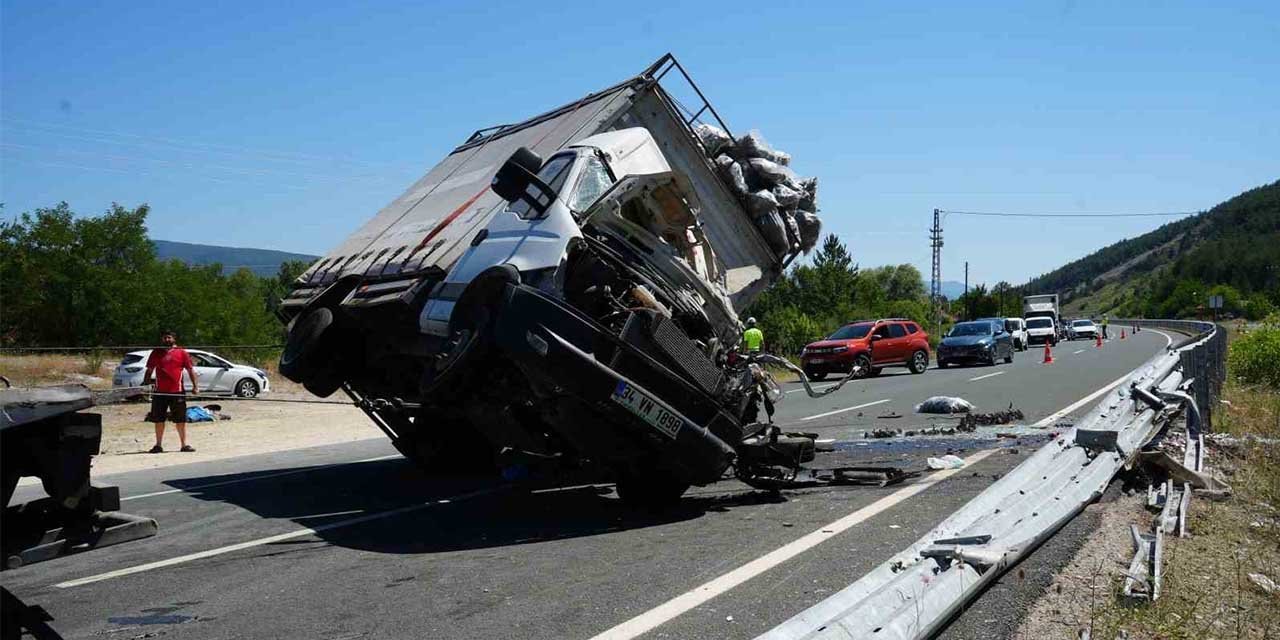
(996, 417)
(889, 415)
(1264, 583)
(946, 462)
(944, 404)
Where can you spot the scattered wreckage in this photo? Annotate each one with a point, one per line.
(567, 289)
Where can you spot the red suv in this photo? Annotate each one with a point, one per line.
(871, 344)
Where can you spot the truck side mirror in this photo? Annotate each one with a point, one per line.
(517, 174)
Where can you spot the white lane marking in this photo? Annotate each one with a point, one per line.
(832, 413)
(1075, 352)
(688, 600)
(989, 375)
(682, 603)
(272, 539)
(258, 477)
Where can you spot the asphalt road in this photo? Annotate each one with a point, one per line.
(349, 541)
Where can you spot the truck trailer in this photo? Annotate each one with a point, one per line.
(564, 290)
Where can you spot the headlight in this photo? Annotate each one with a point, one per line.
(260, 372)
(132, 369)
(839, 349)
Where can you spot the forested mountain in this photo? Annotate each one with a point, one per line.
(1232, 250)
(262, 262)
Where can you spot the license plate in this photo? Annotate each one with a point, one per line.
(817, 360)
(648, 409)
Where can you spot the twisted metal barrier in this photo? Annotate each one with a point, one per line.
(917, 591)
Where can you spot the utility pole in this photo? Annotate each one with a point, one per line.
(968, 304)
(935, 290)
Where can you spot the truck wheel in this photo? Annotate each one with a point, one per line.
(650, 492)
(298, 360)
(919, 361)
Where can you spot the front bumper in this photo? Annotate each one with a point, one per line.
(580, 366)
(965, 354)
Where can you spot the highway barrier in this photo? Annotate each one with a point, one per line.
(917, 591)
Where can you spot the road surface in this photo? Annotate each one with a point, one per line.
(349, 541)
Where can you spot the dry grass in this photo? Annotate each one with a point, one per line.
(1206, 591)
(95, 369)
(44, 370)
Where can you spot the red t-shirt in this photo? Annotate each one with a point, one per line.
(169, 365)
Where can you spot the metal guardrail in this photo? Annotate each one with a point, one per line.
(916, 592)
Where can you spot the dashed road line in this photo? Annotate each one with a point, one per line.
(989, 375)
(832, 413)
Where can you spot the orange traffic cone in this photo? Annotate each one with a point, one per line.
(1048, 355)
(1099, 340)
(1122, 333)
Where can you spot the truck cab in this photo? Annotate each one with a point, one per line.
(617, 183)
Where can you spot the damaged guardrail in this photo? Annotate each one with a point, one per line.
(917, 591)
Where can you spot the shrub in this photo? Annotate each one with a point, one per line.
(1255, 356)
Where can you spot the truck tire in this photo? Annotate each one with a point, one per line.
(299, 359)
(650, 491)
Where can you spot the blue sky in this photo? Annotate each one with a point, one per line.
(286, 125)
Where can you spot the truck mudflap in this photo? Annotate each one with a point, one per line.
(636, 421)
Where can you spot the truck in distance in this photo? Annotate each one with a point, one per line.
(1041, 314)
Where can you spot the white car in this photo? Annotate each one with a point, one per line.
(215, 375)
(1084, 329)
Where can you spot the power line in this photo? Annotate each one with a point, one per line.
(1002, 214)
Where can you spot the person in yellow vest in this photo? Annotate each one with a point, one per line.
(1104, 328)
(752, 338)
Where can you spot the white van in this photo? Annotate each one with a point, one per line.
(1017, 327)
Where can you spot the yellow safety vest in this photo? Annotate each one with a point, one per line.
(754, 338)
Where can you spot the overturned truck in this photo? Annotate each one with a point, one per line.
(566, 290)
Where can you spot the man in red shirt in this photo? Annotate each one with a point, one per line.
(169, 400)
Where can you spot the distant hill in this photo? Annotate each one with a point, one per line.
(952, 289)
(262, 262)
(1233, 249)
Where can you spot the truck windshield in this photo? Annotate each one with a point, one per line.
(554, 173)
(593, 180)
(972, 329)
(851, 332)
(1039, 323)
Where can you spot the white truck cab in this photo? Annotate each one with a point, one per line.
(592, 181)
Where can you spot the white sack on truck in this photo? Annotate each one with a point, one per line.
(774, 230)
(731, 173)
(713, 138)
(783, 205)
(753, 145)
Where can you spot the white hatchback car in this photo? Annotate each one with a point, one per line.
(1084, 329)
(215, 375)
